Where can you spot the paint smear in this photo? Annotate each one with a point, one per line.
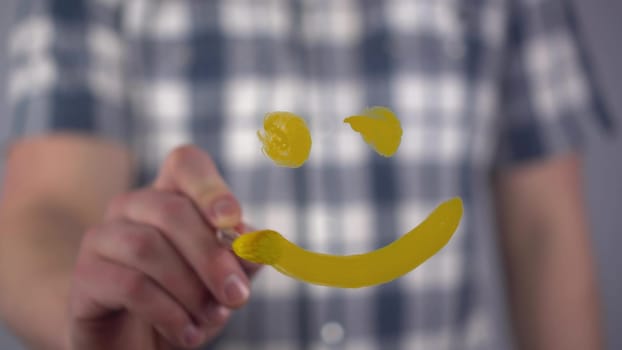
(285, 138)
(380, 128)
(287, 141)
(354, 271)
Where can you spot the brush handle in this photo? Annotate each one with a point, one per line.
(226, 236)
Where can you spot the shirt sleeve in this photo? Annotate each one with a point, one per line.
(548, 92)
(66, 70)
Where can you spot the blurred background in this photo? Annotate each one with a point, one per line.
(601, 30)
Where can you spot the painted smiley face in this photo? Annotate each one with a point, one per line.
(287, 141)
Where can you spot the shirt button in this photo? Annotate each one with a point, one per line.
(332, 333)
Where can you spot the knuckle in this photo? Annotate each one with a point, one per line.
(118, 205)
(140, 243)
(170, 280)
(90, 234)
(171, 214)
(207, 266)
(185, 284)
(119, 201)
(133, 286)
(219, 320)
(173, 207)
(82, 268)
(214, 264)
(177, 318)
(174, 326)
(90, 240)
(181, 155)
(188, 290)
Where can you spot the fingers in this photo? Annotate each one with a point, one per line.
(192, 172)
(143, 248)
(104, 286)
(157, 257)
(177, 219)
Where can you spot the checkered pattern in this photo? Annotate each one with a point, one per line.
(477, 84)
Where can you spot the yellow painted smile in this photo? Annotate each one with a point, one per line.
(354, 271)
(287, 142)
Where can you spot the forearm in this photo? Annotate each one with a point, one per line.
(552, 291)
(38, 246)
(550, 268)
(54, 187)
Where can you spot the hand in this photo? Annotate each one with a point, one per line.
(153, 275)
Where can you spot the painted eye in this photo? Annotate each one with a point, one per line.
(380, 128)
(286, 139)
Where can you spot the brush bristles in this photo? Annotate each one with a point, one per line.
(261, 247)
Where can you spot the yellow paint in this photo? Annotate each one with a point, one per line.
(353, 271)
(380, 128)
(286, 139)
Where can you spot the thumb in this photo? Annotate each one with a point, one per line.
(192, 172)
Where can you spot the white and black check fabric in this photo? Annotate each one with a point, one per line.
(477, 84)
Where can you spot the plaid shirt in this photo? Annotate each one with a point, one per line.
(477, 84)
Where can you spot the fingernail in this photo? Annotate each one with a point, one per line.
(224, 208)
(191, 336)
(215, 314)
(236, 291)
